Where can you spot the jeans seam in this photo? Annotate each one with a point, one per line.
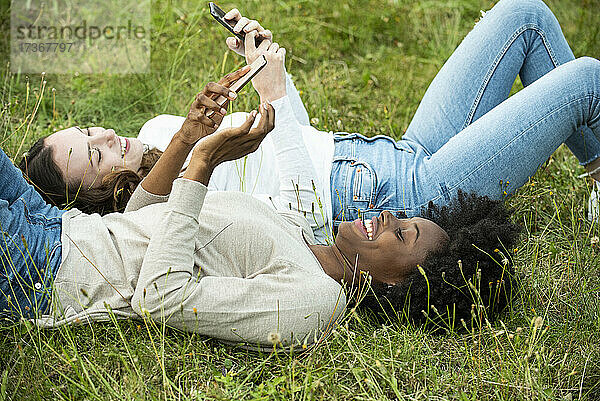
(44, 224)
(519, 136)
(500, 56)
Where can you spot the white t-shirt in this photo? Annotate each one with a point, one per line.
(259, 173)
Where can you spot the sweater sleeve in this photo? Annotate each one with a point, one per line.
(141, 198)
(286, 301)
(295, 101)
(299, 187)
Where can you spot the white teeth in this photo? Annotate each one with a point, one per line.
(369, 227)
(123, 146)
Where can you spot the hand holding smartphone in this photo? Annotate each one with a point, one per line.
(219, 15)
(238, 85)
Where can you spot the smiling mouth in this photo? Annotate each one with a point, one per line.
(124, 146)
(368, 227)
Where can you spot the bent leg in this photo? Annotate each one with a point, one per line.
(511, 141)
(516, 37)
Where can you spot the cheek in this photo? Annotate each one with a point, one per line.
(376, 257)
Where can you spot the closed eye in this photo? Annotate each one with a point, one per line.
(99, 154)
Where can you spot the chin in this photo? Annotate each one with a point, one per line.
(133, 159)
(342, 239)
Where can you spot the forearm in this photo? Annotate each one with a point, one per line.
(296, 101)
(299, 187)
(160, 179)
(169, 259)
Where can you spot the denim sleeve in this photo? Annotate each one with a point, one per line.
(14, 186)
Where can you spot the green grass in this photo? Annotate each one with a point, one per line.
(361, 66)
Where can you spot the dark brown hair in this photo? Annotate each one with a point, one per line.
(112, 195)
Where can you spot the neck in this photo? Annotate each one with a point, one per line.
(335, 264)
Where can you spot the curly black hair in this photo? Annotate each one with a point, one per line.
(472, 276)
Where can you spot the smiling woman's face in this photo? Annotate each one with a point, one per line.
(396, 248)
(89, 154)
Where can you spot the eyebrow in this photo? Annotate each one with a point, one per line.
(417, 228)
(88, 144)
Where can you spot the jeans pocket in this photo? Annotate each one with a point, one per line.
(364, 183)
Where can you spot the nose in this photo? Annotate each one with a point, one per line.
(387, 217)
(108, 137)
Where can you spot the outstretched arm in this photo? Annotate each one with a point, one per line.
(253, 27)
(299, 188)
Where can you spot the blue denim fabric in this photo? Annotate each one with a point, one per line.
(30, 248)
(467, 134)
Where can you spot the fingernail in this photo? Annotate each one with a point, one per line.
(254, 113)
(232, 95)
(223, 111)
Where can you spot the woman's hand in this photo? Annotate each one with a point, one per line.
(270, 82)
(197, 124)
(245, 25)
(229, 144)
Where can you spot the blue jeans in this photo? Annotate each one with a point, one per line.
(467, 134)
(30, 248)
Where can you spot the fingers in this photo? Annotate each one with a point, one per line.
(271, 117)
(262, 47)
(214, 90)
(245, 127)
(233, 14)
(234, 44)
(202, 100)
(230, 78)
(274, 50)
(267, 121)
(249, 44)
(267, 34)
(246, 25)
(253, 25)
(242, 22)
(199, 116)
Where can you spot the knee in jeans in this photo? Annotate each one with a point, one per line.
(588, 67)
(533, 11)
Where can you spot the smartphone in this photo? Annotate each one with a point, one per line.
(238, 85)
(219, 15)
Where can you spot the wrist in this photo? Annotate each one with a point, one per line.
(182, 139)
(271, 96)
(199, 170)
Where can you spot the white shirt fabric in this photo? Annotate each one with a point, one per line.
(259, 173)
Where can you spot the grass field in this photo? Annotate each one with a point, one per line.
(361, 66)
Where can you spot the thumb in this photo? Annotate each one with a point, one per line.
(234, 44)
(249, 44)
(247, 125)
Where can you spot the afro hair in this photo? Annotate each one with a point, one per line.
(472, 276)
